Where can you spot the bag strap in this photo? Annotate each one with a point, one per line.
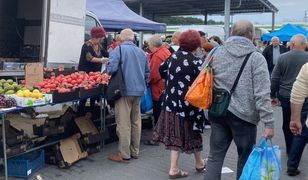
(240, 73)
(209, 64)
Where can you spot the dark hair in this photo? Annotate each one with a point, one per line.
(190, 40)
(217, 39)
(201, 33)
(98, 32)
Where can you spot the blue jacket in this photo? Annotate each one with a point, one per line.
(135, 67)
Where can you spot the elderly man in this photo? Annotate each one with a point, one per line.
(283, 77)
(250, 102)
(159, 54)
(272, 53)
(299, 111)
(175, 42)
(135, 68)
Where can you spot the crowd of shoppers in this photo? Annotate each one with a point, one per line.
(272, 76)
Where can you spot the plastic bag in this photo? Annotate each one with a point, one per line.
(264, 162)
(146, 101)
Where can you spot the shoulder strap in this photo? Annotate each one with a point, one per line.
(240, 72)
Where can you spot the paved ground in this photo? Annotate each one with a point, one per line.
(153, 163)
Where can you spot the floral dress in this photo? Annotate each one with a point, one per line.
(179, 124)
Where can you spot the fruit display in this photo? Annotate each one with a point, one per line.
(7, 102)
(29, 93)
(68, 83)
(9, 86)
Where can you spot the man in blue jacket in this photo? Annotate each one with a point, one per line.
(136, 72)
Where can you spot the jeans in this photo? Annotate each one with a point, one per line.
(286, 115)
(299, 142)
(224, 130)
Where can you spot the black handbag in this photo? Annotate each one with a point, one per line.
(116, 86)
(221, 97)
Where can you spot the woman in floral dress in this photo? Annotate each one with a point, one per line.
(180, 125)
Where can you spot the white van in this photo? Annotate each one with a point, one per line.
(47, 31)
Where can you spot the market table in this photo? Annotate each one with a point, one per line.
(3, 112)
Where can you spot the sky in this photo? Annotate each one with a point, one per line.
(289, 10)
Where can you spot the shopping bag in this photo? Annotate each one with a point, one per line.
(263, 162)
(146, 103)
(200, 93)
(271, 163)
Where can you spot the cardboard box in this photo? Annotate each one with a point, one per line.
(71, 150)
(27, 102)
(34, 73)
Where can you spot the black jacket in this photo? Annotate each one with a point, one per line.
(268, 54)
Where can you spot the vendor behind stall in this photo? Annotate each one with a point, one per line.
(92, 56)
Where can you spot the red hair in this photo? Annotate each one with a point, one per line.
(190, 40)
(98, 32)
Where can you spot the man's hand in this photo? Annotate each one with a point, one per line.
(296, 127)
(275, 102)
(104, 60)
(268, 133)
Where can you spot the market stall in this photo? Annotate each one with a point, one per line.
(69, 137)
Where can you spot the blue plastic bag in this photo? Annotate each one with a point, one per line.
(263, 163)
(146, 101)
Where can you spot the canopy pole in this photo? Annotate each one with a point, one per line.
(227, 18)
(141, 33)
(205, 17)
(273, 21)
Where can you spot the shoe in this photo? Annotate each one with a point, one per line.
(207, 127)
(134, 157)
(151, 143)
(179, 174)
(293, 172)
(117, 158)
(202, 169)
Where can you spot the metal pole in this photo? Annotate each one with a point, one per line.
(4, 147)
(141, 33)
(205, 18)
(227, 18)
(273, 21)
(44, 33)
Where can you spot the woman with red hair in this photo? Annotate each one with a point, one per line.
(92, 56)
(180, 124)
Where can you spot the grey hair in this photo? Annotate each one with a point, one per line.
(300, 40)
(243, 28)
(127, 35)
(275, 37)
(156, 41)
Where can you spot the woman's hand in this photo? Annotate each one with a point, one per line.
(104, 60)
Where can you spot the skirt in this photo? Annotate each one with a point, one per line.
(177, 133)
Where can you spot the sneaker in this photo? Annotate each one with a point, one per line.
(293, 172)
(207, 127)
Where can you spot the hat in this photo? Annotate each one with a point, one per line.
(98, 32)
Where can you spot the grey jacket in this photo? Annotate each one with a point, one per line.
(251, 99)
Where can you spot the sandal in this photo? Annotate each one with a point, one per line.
(151, 143)
(202, 169)
(179, 174)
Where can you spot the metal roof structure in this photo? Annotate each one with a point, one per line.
(159, 8)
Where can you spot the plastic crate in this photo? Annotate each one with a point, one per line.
(25, 165)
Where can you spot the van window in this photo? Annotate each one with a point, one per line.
(89, 24)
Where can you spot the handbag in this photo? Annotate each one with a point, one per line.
(116, 85)
(221, 97)
(202, 87)
(146, 103)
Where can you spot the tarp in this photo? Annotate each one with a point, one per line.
(114, 15)
(286, 33)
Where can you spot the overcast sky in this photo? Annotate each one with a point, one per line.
(289, 10)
